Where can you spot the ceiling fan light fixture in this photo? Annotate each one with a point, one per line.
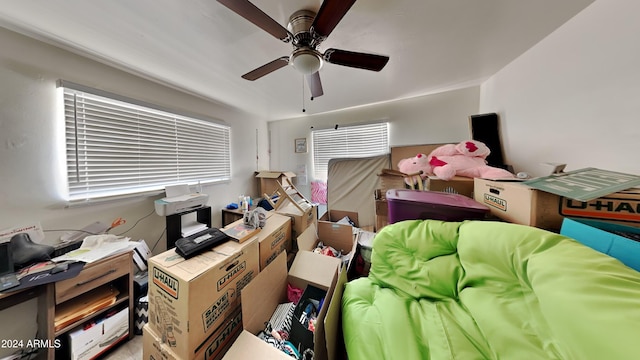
(306, 61)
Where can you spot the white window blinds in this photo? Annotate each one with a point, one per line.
(115, 147)
(345, 142)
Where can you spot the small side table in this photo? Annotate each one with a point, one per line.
(231, 215)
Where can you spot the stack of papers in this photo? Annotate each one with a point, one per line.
(96, 247)
(192, 228)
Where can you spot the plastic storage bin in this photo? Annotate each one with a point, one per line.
(406, 204)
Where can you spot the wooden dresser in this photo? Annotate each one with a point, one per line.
(114, 273)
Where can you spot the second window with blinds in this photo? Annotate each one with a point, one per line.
(347, 142)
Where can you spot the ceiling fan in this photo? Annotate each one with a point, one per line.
(306, 31)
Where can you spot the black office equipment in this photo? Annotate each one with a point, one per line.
(193, 245)
(486, 128)
(26, 252)
(174, 223)
(8, 278)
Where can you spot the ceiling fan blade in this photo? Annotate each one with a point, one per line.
(356, 59)
(329, 15)
(266, 68)
(315, 84)
(256, 16)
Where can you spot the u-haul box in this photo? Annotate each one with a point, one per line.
(190, 299)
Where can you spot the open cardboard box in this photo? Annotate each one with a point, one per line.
(300, 219)
(268, 179)
(333, 216)
(338, 236)
(269, 289)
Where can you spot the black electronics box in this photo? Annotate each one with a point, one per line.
(301, 337)
(140, 284)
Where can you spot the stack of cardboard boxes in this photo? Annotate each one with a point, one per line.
(309, 271)
(587, 205)
(522, 204)
(273, 238)
(195, 306)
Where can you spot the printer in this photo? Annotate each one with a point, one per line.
(181, 203)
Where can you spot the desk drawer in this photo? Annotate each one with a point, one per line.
(92, 276)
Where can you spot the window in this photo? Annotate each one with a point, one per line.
(349, 141)
(116, 146)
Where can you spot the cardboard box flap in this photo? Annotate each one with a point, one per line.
(320, 346)
(272, 174)
(337, 215)
(248, 346)
(263, 294)
(333, 317)
(310, 268)
(338, 236)
(308, 239)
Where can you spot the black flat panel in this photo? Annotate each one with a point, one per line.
(486, 128)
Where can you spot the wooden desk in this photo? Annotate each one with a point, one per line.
(231, 215)
(45, 295)
(116, 270)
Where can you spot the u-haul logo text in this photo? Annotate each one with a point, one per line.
(496, 202)
(231, 274)
(605, 208)
(278, 238)
(225, 337)
(166, 282)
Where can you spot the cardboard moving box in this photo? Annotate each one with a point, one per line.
(518, 203)
(269, 289)
(189, 300)
(328, 224)
(274, 238)
(382, 209)
(300, 219)
(458, 185)
(333, 216)
(269, 178)
(339, 237)
(622, 207)
(155, 348)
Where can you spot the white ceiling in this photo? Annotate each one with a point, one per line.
(201, 47)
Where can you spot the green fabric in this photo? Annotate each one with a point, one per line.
(490, 290)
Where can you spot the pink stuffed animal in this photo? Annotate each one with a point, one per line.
(416, 164)
(464, 159)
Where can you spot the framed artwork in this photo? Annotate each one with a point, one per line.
(301, 145)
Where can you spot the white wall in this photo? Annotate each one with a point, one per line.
(29, 163)
(573, 98)
(428, 119)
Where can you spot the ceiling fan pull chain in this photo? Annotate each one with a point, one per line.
(303, 109)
